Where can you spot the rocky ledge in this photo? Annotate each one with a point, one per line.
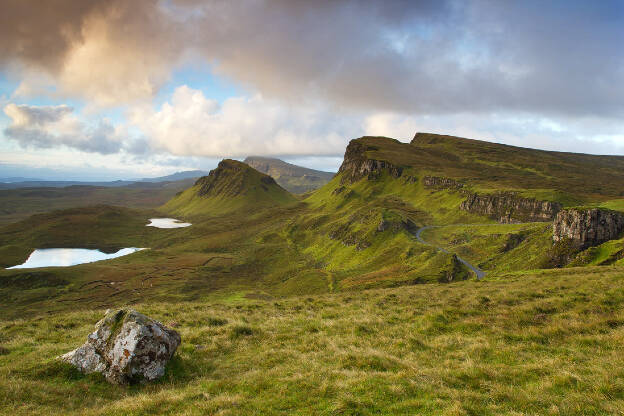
(439, 182)
(125, 347)
(356, 165)
(587, 227)
(509, 208)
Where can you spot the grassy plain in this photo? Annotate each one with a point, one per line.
(548, 342)
(18, 204)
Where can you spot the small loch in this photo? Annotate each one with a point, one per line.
(167, 223)
(63, 257)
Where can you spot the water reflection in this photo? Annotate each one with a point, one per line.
(46, 257)
(167, 223)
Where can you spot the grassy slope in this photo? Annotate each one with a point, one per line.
(341, 231)
(569, 178)
(260, 241)
(102, 227)
(213, 258)
(496, 248)
(547, 343)
(234, 186)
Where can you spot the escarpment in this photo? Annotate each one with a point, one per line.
(509, 208)
(356, 165)
(438, 182)
(589, 227)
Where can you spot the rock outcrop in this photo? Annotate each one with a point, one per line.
(454, 271)
(587, 227)
(509, 208)
(356, 165)
(396, 226)
(438, 182)
(126, 347)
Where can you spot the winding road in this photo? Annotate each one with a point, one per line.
(480, 273)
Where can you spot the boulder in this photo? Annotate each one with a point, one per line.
(126, 347)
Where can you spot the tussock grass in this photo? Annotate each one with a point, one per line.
(536, 343)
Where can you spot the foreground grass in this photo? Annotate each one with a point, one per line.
(547, 343)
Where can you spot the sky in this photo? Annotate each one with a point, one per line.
(116, 89)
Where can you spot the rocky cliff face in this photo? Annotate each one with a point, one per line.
(509, 208)
(356, 165)
(441, 183)
(587, 227)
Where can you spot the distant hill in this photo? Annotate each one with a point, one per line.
(295, 179)
(18, 179)
(232, 186)
(16, 183)
(19, 203)
(187, 174)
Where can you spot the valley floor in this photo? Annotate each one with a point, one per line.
(547, 342)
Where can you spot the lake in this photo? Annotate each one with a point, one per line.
(62, 257)
(167, 223)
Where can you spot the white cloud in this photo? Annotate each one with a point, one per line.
(391, 125)
(191, 124)
(53, 126)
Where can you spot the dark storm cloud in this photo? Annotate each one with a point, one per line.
(41, 32)
(426, 57)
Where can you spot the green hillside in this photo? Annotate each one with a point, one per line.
(263, 281)
(232, 186)
(250, 237)
(295, 179)
(571, 178)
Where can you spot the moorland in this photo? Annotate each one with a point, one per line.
(327, 302)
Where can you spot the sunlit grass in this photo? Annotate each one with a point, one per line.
(540, 344)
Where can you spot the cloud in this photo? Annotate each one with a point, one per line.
(54, 126)
(192, 124)
(586, 135)
(426, 57)
(109, 52)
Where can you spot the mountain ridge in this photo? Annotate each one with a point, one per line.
(294, 178)
(42, 183)
(231, 186)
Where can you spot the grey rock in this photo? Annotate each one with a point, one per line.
(126, 346)
(357, 165)
(510, 208)
(439, 182)
(587, 227)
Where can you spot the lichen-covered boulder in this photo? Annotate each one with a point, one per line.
(125, 347)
